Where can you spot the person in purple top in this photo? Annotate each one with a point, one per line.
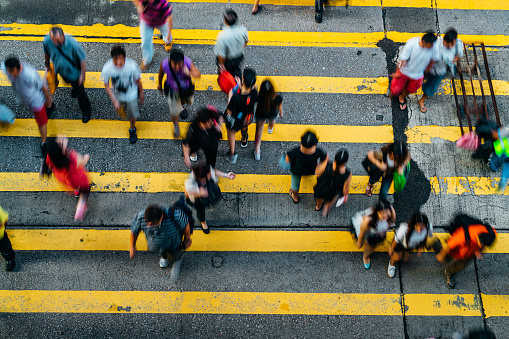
(178, 87)
(153, 14)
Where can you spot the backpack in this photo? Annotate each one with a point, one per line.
(181, 205)
(237, 120)
(463, 220)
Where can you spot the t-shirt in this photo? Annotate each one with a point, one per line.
(416, 238)
(122, 79)
(330, 184)
(3, 219)
(459, 248)
(155, 12)
(184, 80)
(446, 56)
(417, 58)
(381, 227)
(28, 86)
(242, 104)
(197, 138)
(231, 42)
(72, 49)
(305, 164)
(167, 236)
(261, 111)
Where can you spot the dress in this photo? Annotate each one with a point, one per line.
(72, 176)
(329, 185)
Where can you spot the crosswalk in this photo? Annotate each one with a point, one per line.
(451, 186)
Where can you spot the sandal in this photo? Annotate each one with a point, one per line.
(369, 190)
(291, 195)
(257, 10)
(423, 109)
(402, 105)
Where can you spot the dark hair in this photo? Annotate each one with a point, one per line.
(308, 139)
(340, 159)
(417, 218)
(249, 77)
(382, 205)
(230, 17)
(487, 239)
(429, 37)
(56, 155)
(201, 170)
(204, 115)
(266, 95)
(117, 50)
(484, 128)
(399, 150)
(56, 30)
(450, 35)
(153, 214)
(12, 62)
(176, 55)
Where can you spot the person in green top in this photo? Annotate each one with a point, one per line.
(5, 244)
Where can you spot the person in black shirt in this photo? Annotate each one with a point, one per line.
(269, 103)
(240, 110)
(303, 161)
(333, 182)
(204, 133)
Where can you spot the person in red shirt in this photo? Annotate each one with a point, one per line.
(467, 241)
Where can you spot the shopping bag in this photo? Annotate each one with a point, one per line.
(469, 141)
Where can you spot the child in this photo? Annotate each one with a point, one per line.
(269, 103)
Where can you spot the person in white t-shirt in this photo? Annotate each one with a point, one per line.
(450, 50)
(409, 236)
(417, 57)
(125, 76)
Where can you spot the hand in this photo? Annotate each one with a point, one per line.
(185, 70)
(222, 68)
(230, 175)
(116, 105)
(187, 161)
(49, 101)
(142, 98)
(81, 79)
(203, 192)
(395, 75)
(132, 253)
(86, 158)
(382, 166)
(401, 169)
(187, 243)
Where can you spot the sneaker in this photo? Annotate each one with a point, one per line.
(163, 263)
(193, 158)
(318, 17)
(244, 143)
(451, 282)
(132, 136)
(10, 265)
(175, 269)
(77, 193)
(270, 130)
(367, 266)
(233, 158)
(80, 211)
(257, 156)
(391, 270)
(184, 114)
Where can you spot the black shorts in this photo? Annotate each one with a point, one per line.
(400, 248)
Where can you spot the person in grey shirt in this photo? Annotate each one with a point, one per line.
(164, 228)
(69, 60)
(230, 44)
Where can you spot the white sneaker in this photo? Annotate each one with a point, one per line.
(391, 270)
(257, 156)
(270, 130)
(175, 269)
(163, 263)
(193, 158)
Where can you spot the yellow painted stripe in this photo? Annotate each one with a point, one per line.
(496, 305)
(465, 305)
(36, 301)
(151, 182)
(128, 34)
(164, 130)
(428, 134)
(216, 241)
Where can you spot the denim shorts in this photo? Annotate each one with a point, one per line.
(431, 83)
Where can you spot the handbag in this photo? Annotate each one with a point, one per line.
(214, 194)
(184, 93)
(469, 141)
(400, 179)
(226, 81)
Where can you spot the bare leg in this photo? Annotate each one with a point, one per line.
(131, 123)
(319, 203)
(43, 131)
(326, 208)
(258, 137)
(255, 6)
(368, 250)
(272, 123)
(231, 141)
(395, 257)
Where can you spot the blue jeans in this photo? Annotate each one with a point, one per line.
(500, 161)
(147, 34)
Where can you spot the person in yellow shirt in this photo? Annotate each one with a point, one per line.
(5, 244)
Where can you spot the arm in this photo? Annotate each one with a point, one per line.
(132, 245)
(229, 175)
(138, 5)
(321, 166)
(346, 187)
(116, 103)
(380, 164)
(82, 160)
(187, 237)
(47, 95)
(431, 63)
(140, 90)
(280, 108)
(160, 79)
(194, 72)
(220, 61)
(83, 74)
(187, 151)
(46, 60)
(170, 26)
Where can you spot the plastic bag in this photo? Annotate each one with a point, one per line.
(469, 141)
(400, 179)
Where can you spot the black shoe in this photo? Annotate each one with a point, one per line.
(43, 150)
(451, 282)
(244, 143)
(184, 114)
(44, 171)
(86, 118)
(132, 136)
(10, 265)
(318, 17)
(74, 92)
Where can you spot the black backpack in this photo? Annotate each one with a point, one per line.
(181, 205)
(463, 220)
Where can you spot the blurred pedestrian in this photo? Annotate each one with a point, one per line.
(469, 237)
(32, 91)
(303, 161)
(370, 227)
(230, 45)
(500, 156)
(68, 166)
(178, 87)
(6, 115)
(168, 232)
(417, 57)
(70, 61)
(270, 104)
(409, 236)
(333, 182)
(154, 14)
(240, 111)
(125, 79)
(383, 164)
(202, 190)
(204, 133)
(5, 244)
(450, 50)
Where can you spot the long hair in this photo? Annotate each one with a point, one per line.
(56, 155)
(399, 150)
(266, 95)
(417, 218)
(380, 206)
(340, 158)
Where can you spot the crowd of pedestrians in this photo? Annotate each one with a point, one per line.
(424, 61)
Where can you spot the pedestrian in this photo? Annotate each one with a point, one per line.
(230, 45)
(179, 86)
(256, 7)
(240, 111)
(68, 166)
(5, 243)
(500, 156)
(469, 237)
(450, 50)
(202, 190)
(69, 60)
(303, 161)
(125, 79)
(270, 104)
(6, 115)
(370, 227)
(333, 182)
(409, 236)
(28, 86)
(154, 14)
(168, 232)
(384, 163)
(204, 133)
(417, 57)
